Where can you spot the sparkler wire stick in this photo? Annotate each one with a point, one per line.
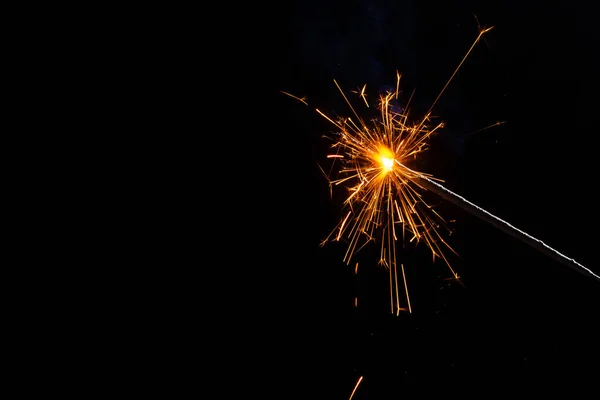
(501, 224)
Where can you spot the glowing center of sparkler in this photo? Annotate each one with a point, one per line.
(386, 158)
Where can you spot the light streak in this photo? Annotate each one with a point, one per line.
(498, 123)
(356, 387)
(301, 99)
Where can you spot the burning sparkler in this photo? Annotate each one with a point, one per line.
(385, 201)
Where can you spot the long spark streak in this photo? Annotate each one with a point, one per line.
(405, 287)
(481, 33)
(356, 387)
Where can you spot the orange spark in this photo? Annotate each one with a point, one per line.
(363, 94)
(356, 387)
(303, 99)
(498, 123)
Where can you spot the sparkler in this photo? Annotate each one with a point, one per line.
(385, 201)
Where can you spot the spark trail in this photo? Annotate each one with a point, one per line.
(355, 387)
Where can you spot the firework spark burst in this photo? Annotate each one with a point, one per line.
(385, 202)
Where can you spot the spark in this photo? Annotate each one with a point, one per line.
(363, 94)
(356, 387)
(498, 123)
(302, 99)
(481, 33)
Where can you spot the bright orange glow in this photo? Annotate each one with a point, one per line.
(355, 387)
(386, 159)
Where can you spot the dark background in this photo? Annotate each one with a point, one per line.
(522, 319)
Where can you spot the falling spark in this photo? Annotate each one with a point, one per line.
(498, 123)
(356, 387)
(302, 99)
